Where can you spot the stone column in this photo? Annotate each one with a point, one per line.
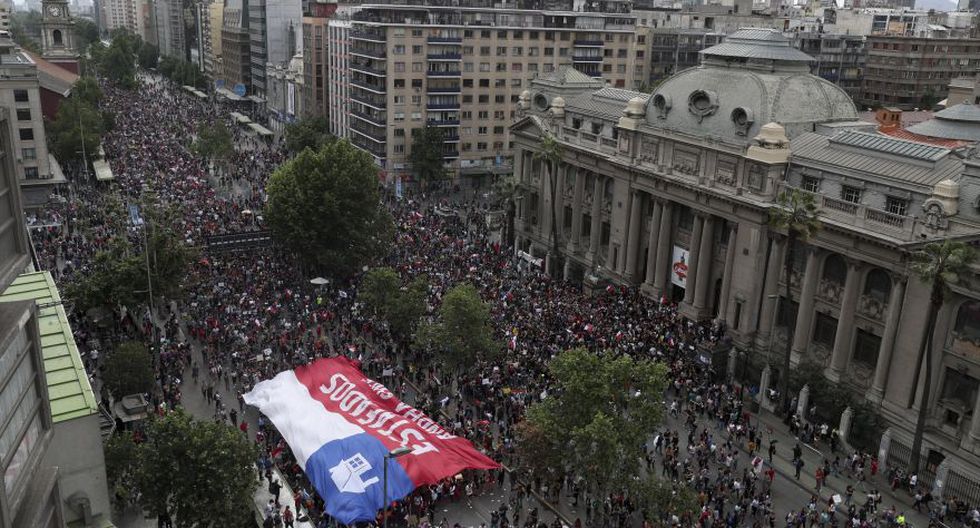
(577, 210)
(845, 324)
(726, 279)
(651, 271)
(844, 428)
(804, 400)
(559, 204)
(596, 217)
(764, 385)
(975, 422)
(771, 286)
(664, 250)
(805, 313)
(895, 301)
(706, 260)
(547, 204)
(693, 260)
(633, 240)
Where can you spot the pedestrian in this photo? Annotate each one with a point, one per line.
(287, 517)
(798, 466)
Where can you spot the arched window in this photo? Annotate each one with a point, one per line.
(878, 285)
(968, 321)
(835, 269)
(56, 36)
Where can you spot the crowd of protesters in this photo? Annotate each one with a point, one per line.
(253, 315)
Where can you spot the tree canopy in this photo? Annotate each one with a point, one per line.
(180, 71)
(462, 333)
(214, 141)
(426, 155)
(118, 277)
(77, 122)
(128, 370)
(198, 471)
(400, 306)
(325, 206)
(596, 419)
(148, 56)
(310, 132)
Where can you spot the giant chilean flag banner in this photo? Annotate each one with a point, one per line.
(340, 424)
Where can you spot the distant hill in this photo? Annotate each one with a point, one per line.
(938, 5)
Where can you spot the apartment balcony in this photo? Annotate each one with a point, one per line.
(444, 73)
(450, 138)
(444, 106)
(445, 56)
(586, 58)
(374, 102)
(862, 217)
(445, 40)
(370, 53)
(368, 132)
(366, 144)
(368, 35)
(444, 89)
(588, 43)
(375, 120)
(368, 86)
(443, 122)
(367, 70)
(450, 154)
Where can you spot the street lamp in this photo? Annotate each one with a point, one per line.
(394, 453)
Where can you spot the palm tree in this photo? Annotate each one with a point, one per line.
(550, 153)
(797, 214)
(938, 264)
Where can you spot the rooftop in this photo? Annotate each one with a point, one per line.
(758, 43)
(68, 384)
(53, 77)
(960, 122)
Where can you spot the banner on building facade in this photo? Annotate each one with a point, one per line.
(340, 426)
(678, 267)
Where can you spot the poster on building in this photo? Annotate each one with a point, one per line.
(678, 267)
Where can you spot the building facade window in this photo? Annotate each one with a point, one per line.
(20, 96)
(31, 173)
(850, 194)
(897, 206)
(825, 329)
(866, 347)
(26, 134)
(811, 184)
(28, 153)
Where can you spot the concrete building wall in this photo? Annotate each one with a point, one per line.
(76, 450)
(30, 150)
(338, 77)
(900, 71)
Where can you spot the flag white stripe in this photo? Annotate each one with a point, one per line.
(304, 422)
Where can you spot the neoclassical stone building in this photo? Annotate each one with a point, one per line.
(670, 192)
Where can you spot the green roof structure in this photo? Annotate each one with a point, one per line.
(69, 389)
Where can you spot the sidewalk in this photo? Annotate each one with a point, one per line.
(813, 457)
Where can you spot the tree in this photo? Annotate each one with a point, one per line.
(86, 32)
(120, 463)
(938, 264)
(129, 370)
(426, 155)
(506, 190)
(149, 56)
(311, 132)
(76, 128)
(25, 29)
(118, 63)
(326, 207)
(379, 287)
(214, 142)
(462, 334)
(87, 89)
(198, 471)
(797, 214)
(550, 154)
(117, 275)
(594, 420)
(400, 306)
(652, 495)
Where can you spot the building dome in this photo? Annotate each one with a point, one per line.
(756, 76)
(960, 122)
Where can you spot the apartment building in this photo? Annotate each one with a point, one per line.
(315, 51)
(673, 50)
(212, 20)
(236, 46)
(274, 36)
(338, 77)
(913, 72)
(20, 94)
(120, 14)
(838, 58)
(170, 31)
(463, 68)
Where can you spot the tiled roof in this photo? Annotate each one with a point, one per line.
(889, 145)
(566, 74)
(68, 385)
(53, 77)
(902, 133)
(607, 103)
(882, 165)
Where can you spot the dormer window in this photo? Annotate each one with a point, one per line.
(597, 128)
(850, 194)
